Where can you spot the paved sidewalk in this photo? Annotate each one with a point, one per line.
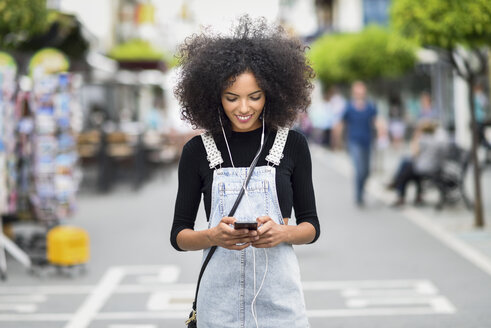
(453, 225)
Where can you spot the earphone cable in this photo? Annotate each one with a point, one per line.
(226, 141)
(253, 303)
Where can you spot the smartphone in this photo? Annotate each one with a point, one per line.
(245, 225)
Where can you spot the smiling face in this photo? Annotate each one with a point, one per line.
(243, 102)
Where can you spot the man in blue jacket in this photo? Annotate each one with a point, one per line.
(359, 119)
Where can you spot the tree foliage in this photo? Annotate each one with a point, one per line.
(21, 19)
(372, 53)
(64, 33)
(136, 49)
(444, 23)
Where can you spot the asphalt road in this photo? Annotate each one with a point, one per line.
(371, 267)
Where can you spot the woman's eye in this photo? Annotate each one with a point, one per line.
(256, 98)
(231, 99)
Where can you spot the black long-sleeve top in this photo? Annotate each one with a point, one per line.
(293, 177)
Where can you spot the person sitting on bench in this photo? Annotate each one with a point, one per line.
(427, 148)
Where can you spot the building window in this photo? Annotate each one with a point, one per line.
(324, 13)
(376, 12)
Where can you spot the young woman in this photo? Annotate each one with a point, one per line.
(243, 90)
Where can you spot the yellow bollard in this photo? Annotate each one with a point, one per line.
(67, 245)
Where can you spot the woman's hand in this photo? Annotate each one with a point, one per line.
(225, 236)
(270, 233)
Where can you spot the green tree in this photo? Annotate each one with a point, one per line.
(20, 20)
(461, 30)
(372, 53)
(136, 49)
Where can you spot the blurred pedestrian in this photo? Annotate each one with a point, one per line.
(481, 105)
(359, 119)
(326, 115)
(337, 104)
(303, 124)
(244, 89)
(397, 123)
(427, 150)
(426, 110)
(382, 144)
(320, 117)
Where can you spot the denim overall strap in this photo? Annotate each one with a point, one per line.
(213, 155)
(232, 278)
(276, 152)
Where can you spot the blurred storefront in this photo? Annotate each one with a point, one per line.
(127, 130)
(64, 104)
(40, 118)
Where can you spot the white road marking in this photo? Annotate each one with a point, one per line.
(158, 301)
(443, 305)
(439, 304)
(47, 290)
(419, 284)
(176, 300)
(394, 311)
(173, 300)
(334, 285)
(167, 275)
(146, 269)
(426, 288)
(23, 308)
(365, 302)
(96, 299)
(35, 317)
(417, 217)
(371, 312)
(22, 298)
(86, 289)
(369, 293)
(147, 288)
(182, 315)
(460, 247)
(379, 293)
(132, 326)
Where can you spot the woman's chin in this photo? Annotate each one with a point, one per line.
(245, 127)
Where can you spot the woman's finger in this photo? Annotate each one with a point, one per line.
(240, 232)
(238, 247)
(263, 219)
(243, 240)
(234, 234)
(263, 244)
(228, 220)
(238, 241)
(264, 228)
(230, 231)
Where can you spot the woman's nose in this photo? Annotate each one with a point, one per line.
(244, 108)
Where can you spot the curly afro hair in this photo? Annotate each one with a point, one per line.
(210, 63)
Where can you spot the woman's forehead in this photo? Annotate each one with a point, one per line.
(244, 82)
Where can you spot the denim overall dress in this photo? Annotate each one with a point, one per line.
(269, 276)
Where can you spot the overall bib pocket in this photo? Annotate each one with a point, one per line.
(251, 206)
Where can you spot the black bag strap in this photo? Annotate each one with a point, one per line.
(231, 213)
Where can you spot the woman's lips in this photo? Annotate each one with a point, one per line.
(243, 119)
